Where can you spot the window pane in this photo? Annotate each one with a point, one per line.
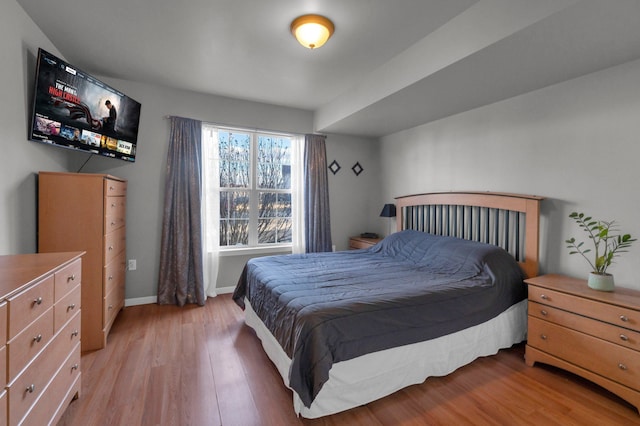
(255, 172)
(284, 205)
(274, 162)
(272, 231)
(234, 232)
(284, 230)
(274, 204)
(267, 204)
(267, 231)
(235, 157)
(234, 204)
(224, 233)
(234, 146)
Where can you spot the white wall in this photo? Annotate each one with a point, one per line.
(576, 143)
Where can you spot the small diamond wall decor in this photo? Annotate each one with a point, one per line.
(357, 168)
(334, 167)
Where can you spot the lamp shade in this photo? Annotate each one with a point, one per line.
(312, 31)
(389, 210)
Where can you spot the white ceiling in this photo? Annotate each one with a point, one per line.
(390, 65)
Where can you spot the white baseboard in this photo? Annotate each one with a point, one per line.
(141, 301)
(154, 299)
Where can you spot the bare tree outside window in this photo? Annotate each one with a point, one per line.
(255, 176)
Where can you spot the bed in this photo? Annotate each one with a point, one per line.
(347, 328)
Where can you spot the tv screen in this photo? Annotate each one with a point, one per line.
(74, 110)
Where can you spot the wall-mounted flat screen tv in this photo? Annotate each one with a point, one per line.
(74, 110)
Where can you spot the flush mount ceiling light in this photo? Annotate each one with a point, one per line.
(312, 31)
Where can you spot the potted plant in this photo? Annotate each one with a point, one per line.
(608, 243)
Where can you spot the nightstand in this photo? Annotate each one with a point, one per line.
(361, 243)
(590, 333)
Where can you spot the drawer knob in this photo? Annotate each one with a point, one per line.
(37, 301)
(38, 338)
(624, 338)
(74, 333)
(110, 248)
(31, 388)
(543, 336)
(621, 366)
(71, 278)
(624, 318)
(544, 297)
(71, 307)
(544, 313)
(110, 307)
(110, 277)
(75, 366)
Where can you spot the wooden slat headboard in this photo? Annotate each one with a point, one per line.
(511, 221)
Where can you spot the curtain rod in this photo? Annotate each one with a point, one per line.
(229, 126)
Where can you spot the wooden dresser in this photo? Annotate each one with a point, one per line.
(590, 333)
(78, 211)
(40, 301)
(361, 242)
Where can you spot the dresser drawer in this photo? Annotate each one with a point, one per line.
(67, 278)
(4, 406)
(29, 305)
(609, 332)
(114, 244)
(623, 317)
(115, 187)
(51, 401)
(356, 243)
(115, 213)
(113, 302)
(30, 384)
(3, 368)
(3, 323)
(114, 273)
(3, 353)
(29, 342)
(607, 359)
(66, 308)
(70, 334)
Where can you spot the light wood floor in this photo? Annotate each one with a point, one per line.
(165, 365)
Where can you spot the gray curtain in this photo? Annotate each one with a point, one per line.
(317, 221)
(181, 274)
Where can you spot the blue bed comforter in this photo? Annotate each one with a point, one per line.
(329, 307)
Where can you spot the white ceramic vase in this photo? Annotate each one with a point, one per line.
(601, 282)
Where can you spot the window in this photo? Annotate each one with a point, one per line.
(249, 186)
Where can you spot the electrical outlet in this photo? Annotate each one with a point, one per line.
(132, 265)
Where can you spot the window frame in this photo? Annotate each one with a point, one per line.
(253, 245)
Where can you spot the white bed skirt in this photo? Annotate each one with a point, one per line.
(370, 377)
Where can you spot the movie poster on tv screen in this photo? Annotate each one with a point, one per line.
(76, 110)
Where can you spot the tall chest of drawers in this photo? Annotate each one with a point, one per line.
(590, 333)
(81, 211)
(40, 314)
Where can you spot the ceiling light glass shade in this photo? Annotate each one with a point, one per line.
(312, 31)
